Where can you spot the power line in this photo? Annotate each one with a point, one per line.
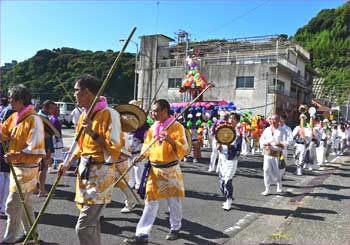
(236, 18)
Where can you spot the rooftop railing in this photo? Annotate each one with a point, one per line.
(231, 60)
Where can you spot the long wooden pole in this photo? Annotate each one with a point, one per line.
(71, 150)
(157, 138)
(132, 192)
(20, 193)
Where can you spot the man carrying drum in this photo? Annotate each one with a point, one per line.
(229, 150)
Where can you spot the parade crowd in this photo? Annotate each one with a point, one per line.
(121, 139)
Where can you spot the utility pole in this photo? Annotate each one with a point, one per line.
(182, 37)
(276, 82)
(266, 75)
(135, 79)
(347, 110)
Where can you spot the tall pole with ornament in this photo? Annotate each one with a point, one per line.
(195, 81)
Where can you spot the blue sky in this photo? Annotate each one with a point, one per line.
(29, 26)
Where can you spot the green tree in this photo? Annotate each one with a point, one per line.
(48, 70)
(327, 37)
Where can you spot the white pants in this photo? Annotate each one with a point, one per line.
(342, 145)
(299, 155)
(312, 149)
(321, 153)
(150, 213)
(335, 145)
(129, 198)
(16, 216)
(228, 168)
(272, 174)
(245, 147)
(222, 158)
(214, 155)
(254, 146)
(135, 173)
(4, 189)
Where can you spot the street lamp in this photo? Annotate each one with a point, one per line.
(137, 51)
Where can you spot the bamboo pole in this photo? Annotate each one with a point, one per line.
(132, 192)
(69, 155)
(138, 158)
(20, 193)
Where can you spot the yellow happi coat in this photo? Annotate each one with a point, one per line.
(27, 137)
(98, 189)
(165, 182)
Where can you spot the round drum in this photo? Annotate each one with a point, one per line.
(225, 133)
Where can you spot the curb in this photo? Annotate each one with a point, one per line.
(241, 232)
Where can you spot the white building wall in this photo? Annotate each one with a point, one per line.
(223, 74)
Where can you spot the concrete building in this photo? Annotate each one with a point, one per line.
(265, 75)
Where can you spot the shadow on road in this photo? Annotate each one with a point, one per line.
(284, 212)
(304, 213)
(62, 194)
(203, 195)
(193, 232)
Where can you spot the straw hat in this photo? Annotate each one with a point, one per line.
(135, 102)
(131, 117)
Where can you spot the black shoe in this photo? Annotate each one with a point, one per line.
(30, 240)
(143, 239)
(173, 235)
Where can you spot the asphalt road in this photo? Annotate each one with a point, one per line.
(204, 220)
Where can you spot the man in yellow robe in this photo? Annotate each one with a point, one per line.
(25, 131)
(98, 148)
(165, 176)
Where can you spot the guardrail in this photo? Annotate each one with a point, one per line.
(230, 60)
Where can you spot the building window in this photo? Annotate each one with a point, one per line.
(174, 82)
(279, 87)
(293, 92)
(245, 82)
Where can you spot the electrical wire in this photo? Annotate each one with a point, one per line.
(236, 18)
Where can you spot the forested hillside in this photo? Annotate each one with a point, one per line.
(327, 36)
(49, 71)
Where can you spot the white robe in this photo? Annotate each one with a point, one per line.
(287, 139)
(322, 148)
(245, 144)
(342, 140)
(335, 140)
(272, 174)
